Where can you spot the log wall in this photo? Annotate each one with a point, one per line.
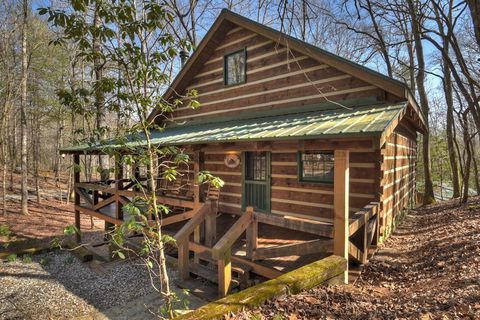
(292, 197)
(398, 170)
(277, 77)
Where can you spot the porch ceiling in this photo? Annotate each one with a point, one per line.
(341, 121)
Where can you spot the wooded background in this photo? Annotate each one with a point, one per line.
(52, 95)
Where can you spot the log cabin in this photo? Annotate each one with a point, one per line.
(317, 154)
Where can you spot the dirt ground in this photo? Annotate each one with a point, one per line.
(57, 285)
(428, 269)
(46, 219)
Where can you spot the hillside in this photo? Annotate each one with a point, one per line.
(428, 269)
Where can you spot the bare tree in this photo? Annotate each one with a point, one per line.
(474, 6)
(23, 111)
(416, 19)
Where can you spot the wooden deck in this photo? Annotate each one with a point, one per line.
(233, 250)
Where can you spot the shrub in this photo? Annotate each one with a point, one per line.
(27, 258)
(5, 230)
(12, 257)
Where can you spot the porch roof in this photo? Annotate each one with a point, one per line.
(338, 122)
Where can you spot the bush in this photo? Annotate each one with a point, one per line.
(12, 257)
(5, 230)
(27, 258)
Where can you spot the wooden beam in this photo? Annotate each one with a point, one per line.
(210, 226)
(118, 186)
(355, 252)
(76, 180)
(190, 226)
(303, 225)
(232, 235)
(196, 186)
(257, 268)
(365, 244)
(296, 249)
(83, 194)
(341, 206)
(177, 217)
(97, 214)
(98, 205)
(252, 236)
(183, 259)
(361, 217)
(224, 273)
(196, 239)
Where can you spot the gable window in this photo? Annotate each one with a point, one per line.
(316, 166)
(235, 66)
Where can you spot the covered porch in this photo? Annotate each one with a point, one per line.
(234, 250)
(305, 219)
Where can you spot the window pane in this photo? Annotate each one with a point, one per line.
(255, 166)
(317, 166)
(235, 68)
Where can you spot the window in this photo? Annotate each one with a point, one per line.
(316, 166)
(256, 168)
(235, 68)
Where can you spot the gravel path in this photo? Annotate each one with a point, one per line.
(57, 286)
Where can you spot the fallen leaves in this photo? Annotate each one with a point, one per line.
(428, 269)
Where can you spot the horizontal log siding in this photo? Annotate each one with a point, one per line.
(276, 78)
(303, 199)
(398, 182)
(231, 193)
(316, 199)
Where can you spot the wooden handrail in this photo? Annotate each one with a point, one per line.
(361, 217)
(225, 243)
(198, 217)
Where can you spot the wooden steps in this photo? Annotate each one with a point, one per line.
(240, 272)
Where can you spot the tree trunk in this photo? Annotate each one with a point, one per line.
(23, 111)
(99, 95)
(468, 160)
(475, 168)
(447, 85)
(474, 6)
(422, 92)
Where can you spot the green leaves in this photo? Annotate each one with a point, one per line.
(206, 176)
(120, 254)
(70, 229)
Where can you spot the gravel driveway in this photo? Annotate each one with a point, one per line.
(57, 285)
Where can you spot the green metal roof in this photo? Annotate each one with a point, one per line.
(367, 120)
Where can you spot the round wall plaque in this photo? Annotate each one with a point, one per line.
(232, 160)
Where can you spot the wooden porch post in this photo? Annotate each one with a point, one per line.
(118, 186)
(183, 257)
(224, 273)
(76, 179)
(196, 170)
(252, 235)
(341, 206)
(196, 199)
(210, 225)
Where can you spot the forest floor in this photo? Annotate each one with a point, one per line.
(428, 269)
(57, 285)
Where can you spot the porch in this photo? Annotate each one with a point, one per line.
(232, 250)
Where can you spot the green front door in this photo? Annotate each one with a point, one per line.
(256, 180)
